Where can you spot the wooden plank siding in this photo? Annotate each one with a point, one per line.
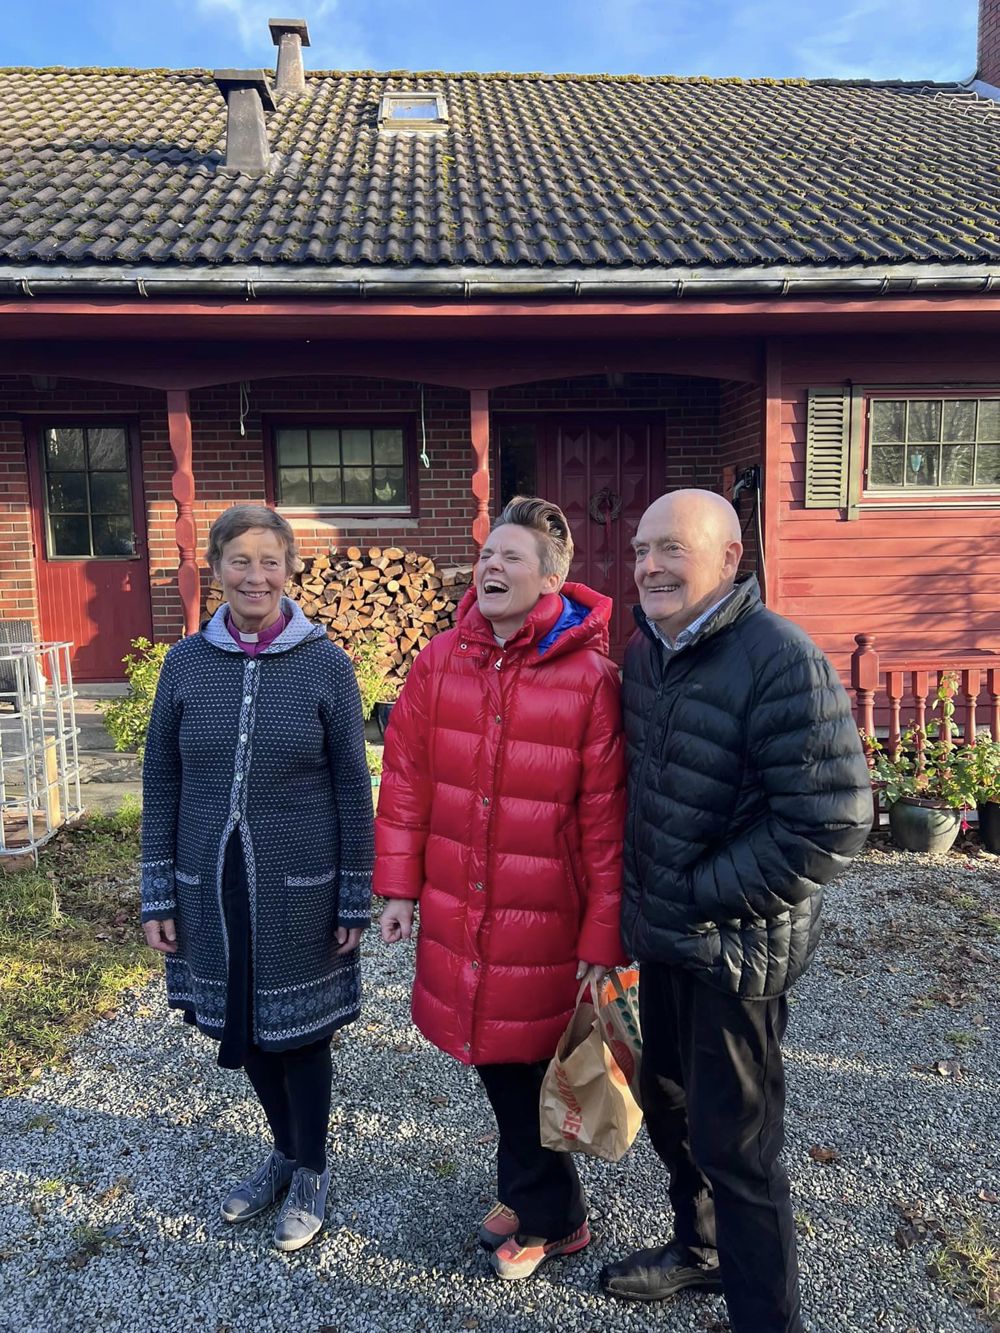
(918, 578)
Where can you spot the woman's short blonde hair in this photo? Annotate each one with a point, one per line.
(550, 526)
(234, 522)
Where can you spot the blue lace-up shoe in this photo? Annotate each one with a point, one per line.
(303, 1211)
(259, 1190)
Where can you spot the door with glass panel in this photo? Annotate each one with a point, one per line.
(90, 544)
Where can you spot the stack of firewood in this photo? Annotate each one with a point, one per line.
(397, 599)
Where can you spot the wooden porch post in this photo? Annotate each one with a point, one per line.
(479, 411)
(182, 486)
(864, 682)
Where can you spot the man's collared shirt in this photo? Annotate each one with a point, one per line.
(689, 631)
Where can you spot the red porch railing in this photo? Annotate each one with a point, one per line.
(882, 681)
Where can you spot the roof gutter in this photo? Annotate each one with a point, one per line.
(269, 281)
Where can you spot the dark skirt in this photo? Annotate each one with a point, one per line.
(237, 1034)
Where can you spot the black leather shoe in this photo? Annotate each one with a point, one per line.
(658, 1274)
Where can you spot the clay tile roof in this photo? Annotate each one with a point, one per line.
(114, 166)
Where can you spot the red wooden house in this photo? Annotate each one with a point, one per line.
(385, 302)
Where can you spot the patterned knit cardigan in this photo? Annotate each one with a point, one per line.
(273, 745)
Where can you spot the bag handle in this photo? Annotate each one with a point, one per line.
(616, 984)
(595, 999)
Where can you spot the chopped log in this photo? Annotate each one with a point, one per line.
(387, 595)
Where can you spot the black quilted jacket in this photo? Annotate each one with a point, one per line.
(748, 791)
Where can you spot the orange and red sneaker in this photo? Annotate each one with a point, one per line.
(519, 1256)
(499, 1223)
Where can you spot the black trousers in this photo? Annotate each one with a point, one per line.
(713, 1091)
(293, 1086)
(541, 1186)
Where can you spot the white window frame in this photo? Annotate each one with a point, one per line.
(387, 121)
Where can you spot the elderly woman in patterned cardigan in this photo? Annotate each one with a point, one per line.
(257, 853)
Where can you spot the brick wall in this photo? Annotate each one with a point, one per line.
(704, 430)
(18, 597)
(988, 62)
(740, 445)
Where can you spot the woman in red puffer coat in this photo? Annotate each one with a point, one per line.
(501, 812)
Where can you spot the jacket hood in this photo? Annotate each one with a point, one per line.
(590, 632)
(298, 629)
(745, 598)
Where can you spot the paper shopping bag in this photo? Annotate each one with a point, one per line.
(585, 1104)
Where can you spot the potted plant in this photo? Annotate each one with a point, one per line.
(383, 708)
(926, 780)
(377, 686)
(373, 754)
(981, 763)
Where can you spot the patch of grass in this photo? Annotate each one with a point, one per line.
(962, 1038)
(69, 941)
(969, 1265)
(991, 922)
(90, 1241)
(40, 1122)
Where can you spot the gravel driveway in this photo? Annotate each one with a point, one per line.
(111, 1173)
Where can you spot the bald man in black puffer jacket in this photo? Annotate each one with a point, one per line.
(748, 790)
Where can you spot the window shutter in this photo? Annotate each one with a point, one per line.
(828, 448)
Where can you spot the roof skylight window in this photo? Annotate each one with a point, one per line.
(413, 111)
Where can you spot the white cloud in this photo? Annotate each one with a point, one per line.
(336, 41)
(878, 39)
(882, 39)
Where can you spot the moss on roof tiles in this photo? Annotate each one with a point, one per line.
(534, 168)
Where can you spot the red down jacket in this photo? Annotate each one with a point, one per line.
(502, 811)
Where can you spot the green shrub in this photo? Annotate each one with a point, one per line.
(127, 719)
(371, 670)
(373, 753)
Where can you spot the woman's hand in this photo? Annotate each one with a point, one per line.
(396, 921)
(348, 939)
(161, 935)
(593, 973)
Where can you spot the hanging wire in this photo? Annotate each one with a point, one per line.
(244, 405)
(761, 566)
(423, 432)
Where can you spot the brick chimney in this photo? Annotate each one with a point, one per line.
(248, 96)
(988, 61)
(289, 36)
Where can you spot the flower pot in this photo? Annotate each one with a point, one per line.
(382, 712)
(989, 826)
(923, 826)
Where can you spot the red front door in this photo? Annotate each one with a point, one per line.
(90, 544)
(602, 471)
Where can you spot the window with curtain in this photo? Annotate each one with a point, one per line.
(356, 469)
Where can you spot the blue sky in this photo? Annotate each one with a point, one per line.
(934, 39)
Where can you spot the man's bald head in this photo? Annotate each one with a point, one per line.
(707, 517)
(687, 550)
